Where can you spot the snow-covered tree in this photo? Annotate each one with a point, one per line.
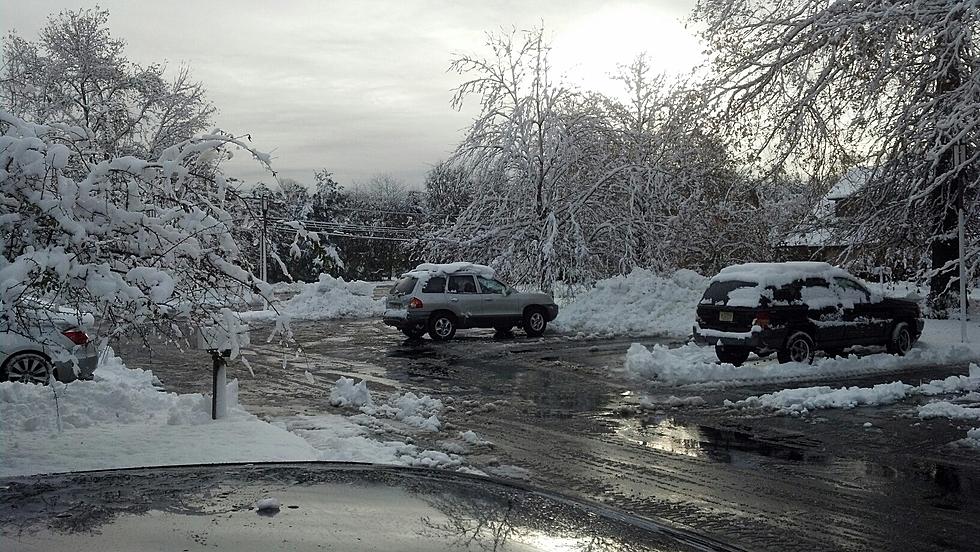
(521, 151)
(76, 73)
(140, 243)
(572, 186)
(448, 191)
(820, 86)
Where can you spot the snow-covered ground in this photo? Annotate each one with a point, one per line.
(123, 419)
(640, 303)
(326, 298)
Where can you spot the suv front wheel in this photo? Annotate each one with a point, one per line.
(534, 322)
(442, 326)
(799, 348)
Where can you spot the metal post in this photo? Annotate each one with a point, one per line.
(218, 386)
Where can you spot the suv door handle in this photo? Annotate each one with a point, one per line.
(454, 300)
(488, 299)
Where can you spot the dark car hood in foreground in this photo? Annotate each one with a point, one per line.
(343, 507)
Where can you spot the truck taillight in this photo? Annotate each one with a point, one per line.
(415, 303)
(761, 319)
(78, 337)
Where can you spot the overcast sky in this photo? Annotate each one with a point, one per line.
(361, 88)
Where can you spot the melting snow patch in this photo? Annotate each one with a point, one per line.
(945, 409)
(972, 439)
(510, 472)
(801, 400)
(420, 411)
(695, 364)
(671, 402)
(472, 438)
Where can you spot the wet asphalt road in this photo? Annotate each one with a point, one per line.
(561, 409)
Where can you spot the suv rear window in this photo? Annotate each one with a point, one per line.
(405, 285)
(717, 292)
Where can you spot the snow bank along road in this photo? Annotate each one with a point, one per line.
(565, 414)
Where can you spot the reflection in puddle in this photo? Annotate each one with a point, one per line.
(944, 485)
(720, 445)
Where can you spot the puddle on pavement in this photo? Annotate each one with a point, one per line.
(941, 485)
(718, 444)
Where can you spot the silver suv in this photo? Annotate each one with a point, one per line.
(439, 299)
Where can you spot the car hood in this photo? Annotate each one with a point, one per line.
(321, 505)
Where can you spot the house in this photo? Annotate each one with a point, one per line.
(823, 237)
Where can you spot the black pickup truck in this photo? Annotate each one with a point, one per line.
(797, 308)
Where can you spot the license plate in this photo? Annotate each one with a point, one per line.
(726, 316)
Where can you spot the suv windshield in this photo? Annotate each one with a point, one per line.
(405, 285)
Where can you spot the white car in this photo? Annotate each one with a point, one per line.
(52, 337)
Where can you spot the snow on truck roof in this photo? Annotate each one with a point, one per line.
(428, 270)
(777, 274)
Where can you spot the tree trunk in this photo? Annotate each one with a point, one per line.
(944, 246)
(944, 283)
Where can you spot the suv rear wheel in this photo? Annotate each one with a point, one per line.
(415, 332)
(442, 326)
(901, 340)
(534, 322)
(799, 348)
(732, 355)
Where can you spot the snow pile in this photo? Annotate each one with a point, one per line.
(326, 298)
(420, 411)
(799, 401)
(121, 420)
(346, 393)
(694, 364)
(641, 303)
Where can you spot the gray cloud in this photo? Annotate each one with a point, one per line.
(356, 87)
